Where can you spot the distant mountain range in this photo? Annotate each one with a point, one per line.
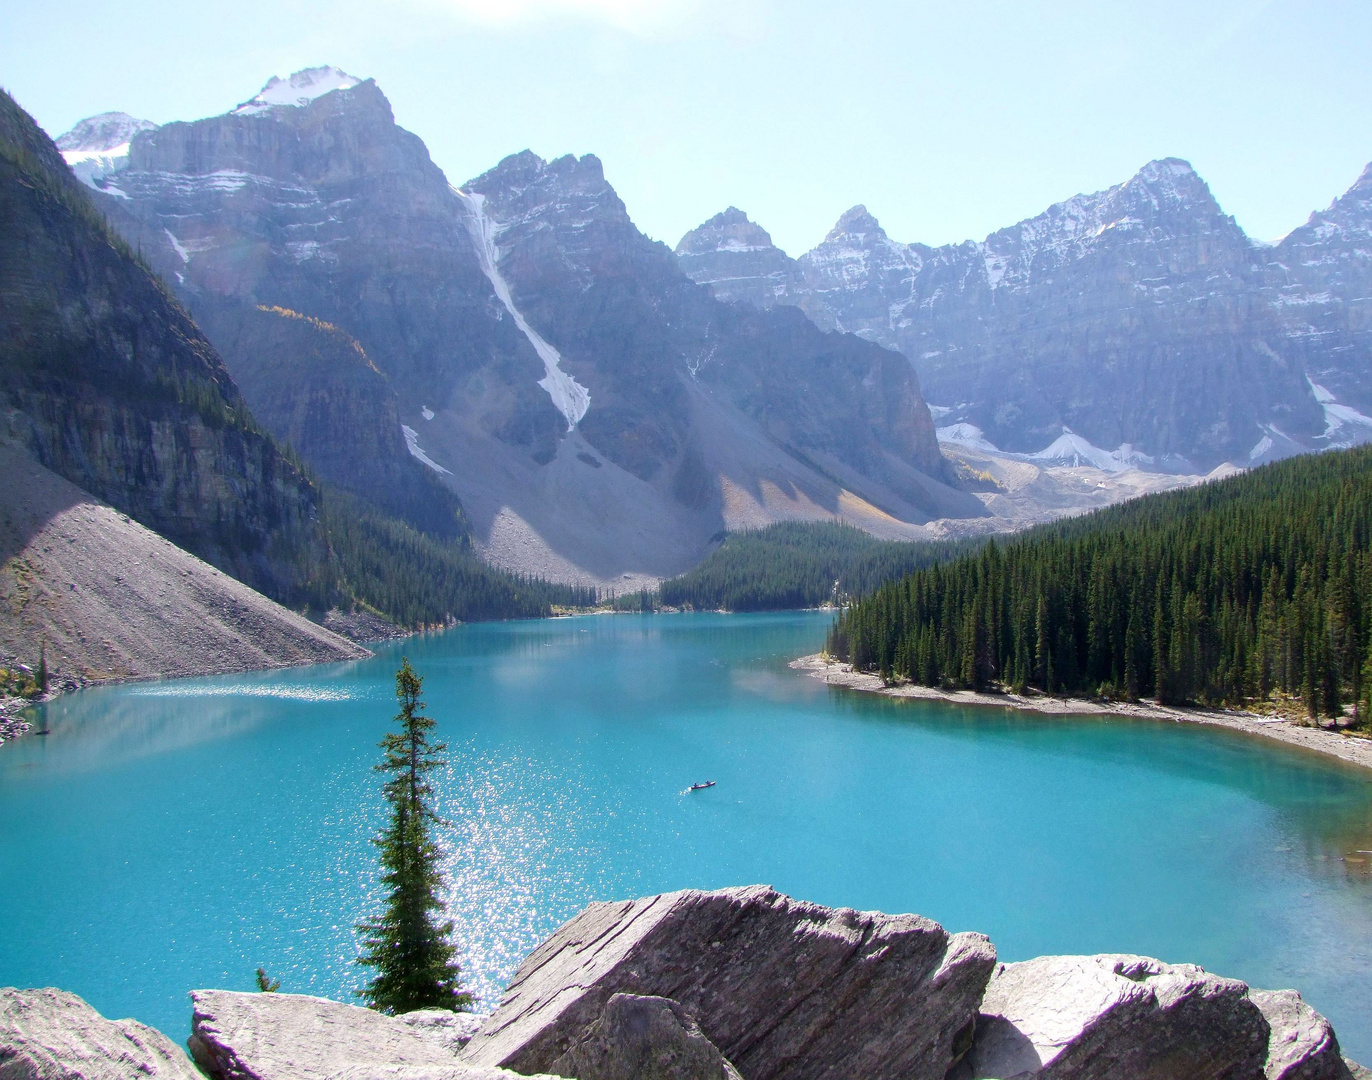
(1134, 327)
(514, 358)
(600, 416)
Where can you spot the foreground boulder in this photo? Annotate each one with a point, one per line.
(644, 1038)
(53, 1035)
(786, 990)
(237, 1036)
(1122, 1017)
(1302, 1045)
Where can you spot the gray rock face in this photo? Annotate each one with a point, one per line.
(453, 1030)
(524, 327)
(1123, 1017)
(644, 1038)
(237, 1036)
(53, 1035)
(1138, 317)
(1319, 281)
(784, 989)
(1302, 1045)
(738, 261)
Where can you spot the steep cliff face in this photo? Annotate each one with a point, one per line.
(314, 388)
(107, 382)
(636, 331)
(1136, 318)
(1320, 283)
(600, 415)
(330, 209)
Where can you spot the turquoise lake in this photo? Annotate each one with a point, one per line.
(174, 835)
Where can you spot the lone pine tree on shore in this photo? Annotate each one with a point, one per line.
(409, 948)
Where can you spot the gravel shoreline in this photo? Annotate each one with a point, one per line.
(1349, 748)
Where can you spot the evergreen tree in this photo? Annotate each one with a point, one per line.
(410, 949)
(1240, 589)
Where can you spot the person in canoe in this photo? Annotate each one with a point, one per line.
(700, 787)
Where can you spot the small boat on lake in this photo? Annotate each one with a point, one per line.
(701, 787)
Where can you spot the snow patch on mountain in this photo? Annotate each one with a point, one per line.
(1071, 448)
(412, 445)
(1343, 425)
(968, 435)
(99, 145)
(1068, 448)
(300, 89)
(178, 247)
(569, 396)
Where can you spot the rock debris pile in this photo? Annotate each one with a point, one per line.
(737, 984)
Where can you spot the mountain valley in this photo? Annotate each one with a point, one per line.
(513, 361)
(602, 419)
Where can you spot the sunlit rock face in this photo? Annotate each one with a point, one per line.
(546, 361)
(1140, 321)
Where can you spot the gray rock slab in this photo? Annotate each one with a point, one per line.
(53, 1035)
(1302, 1044)
(237, 1036)
(1116, 1016)
(786, 990)
(453, 1030)
(644, 1038)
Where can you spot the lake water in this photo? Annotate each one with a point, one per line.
(174, 835)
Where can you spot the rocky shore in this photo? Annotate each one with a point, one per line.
(1350, 748)
(737, 984)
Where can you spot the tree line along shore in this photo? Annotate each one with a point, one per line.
(1249, 592)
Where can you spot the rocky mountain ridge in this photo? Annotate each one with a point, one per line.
(1134, 327)
(600, 416)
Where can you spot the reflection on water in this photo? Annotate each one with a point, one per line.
(170, 835)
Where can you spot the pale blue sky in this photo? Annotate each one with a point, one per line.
(948, 120)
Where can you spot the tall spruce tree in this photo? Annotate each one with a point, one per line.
(409, 947)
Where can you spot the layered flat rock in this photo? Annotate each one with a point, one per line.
(644, 1038)
(1302, 1044)
(1121, 1017)
(785, 989)
(237, 1036)
(53, 1035)
(453, 1030)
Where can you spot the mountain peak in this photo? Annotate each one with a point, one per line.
(99, 145)
(856, 221)
(729, 231)
(300, 89)
(1173, 179)
(103, 132)
(1364, 181)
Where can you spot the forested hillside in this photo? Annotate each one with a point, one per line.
(797, 565)
(1226, 593)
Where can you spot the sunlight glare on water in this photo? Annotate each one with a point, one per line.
(168, 836)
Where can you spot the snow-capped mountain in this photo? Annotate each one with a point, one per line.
(99, 145)
(600, 415)
(297, 91)
(1140, 318)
